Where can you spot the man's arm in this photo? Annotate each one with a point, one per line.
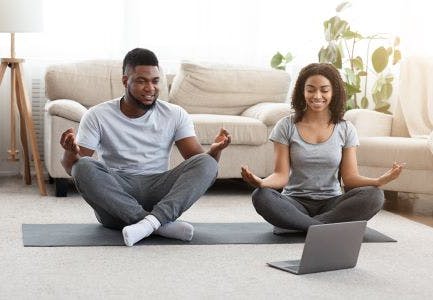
(222, 140)
(190, 146)
(72, 151)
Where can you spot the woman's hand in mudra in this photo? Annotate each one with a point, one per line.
(392, 173)
(250, 178)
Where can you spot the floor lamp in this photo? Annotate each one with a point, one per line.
(21, 16)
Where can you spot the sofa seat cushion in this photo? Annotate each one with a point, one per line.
(384, 151)
(226, 89)
(243, 130)
(68, 109)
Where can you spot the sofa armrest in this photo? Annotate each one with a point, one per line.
(369, 122)
(268, 112)
(68, 109)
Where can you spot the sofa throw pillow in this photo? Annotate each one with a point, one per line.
(226, 89)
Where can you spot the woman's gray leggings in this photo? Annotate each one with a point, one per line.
(288, 212)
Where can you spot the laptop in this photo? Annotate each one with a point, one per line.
(327, 247)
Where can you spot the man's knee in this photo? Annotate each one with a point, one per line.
(110, 222)
(82, 167)
(206, 165)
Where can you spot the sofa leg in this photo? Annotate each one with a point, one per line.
(61, 187)
(391, 195)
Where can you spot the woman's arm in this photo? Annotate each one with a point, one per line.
(278, 179)
(351, 177)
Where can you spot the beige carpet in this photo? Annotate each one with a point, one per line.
(385, 270)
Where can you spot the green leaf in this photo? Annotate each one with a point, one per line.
(331, 54)
(384, 93)
(334, 28)
(289, 57)
(377, 86)
(389, 78)
(375, 97)
(362, 73)
(327, 30)
(364, 102)
(389, 51)
(322, 55)
(357, 63)
(338, 63)
(350, 104)
(353, 78)
(276, 60)
(382, 107)
(352, 35)
(343, 5)
(379, 59)
(397, 57)
(352, 89)
(341, 27)
(350, 75)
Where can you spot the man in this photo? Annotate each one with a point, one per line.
(130, 187)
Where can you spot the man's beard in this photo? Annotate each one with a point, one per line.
(141, 105)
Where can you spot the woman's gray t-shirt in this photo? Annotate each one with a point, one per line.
(314, 167)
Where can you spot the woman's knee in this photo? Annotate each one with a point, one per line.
(261, 197)
(378, 196)
(374, 197)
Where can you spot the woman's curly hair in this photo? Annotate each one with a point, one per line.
(338, 101)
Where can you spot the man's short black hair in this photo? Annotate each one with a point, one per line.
(139, 57)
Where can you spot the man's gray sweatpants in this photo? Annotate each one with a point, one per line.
(288, 212)
(119, 199)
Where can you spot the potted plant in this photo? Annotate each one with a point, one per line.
(350, 52)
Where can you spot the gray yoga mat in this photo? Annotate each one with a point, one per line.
(61, 235)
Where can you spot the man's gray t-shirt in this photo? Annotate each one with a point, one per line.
(134, 145)
(314, 167)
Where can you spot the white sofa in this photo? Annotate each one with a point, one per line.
(246, 101)
(406, 136)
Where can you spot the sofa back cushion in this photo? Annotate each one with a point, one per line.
(226, 89)
(89, 82)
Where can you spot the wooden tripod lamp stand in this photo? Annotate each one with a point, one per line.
(21, 16)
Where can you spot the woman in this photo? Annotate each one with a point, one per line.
(312, 148)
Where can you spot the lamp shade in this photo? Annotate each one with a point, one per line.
(21, 16)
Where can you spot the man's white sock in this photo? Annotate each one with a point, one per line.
(138, 231)
(176, 230)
